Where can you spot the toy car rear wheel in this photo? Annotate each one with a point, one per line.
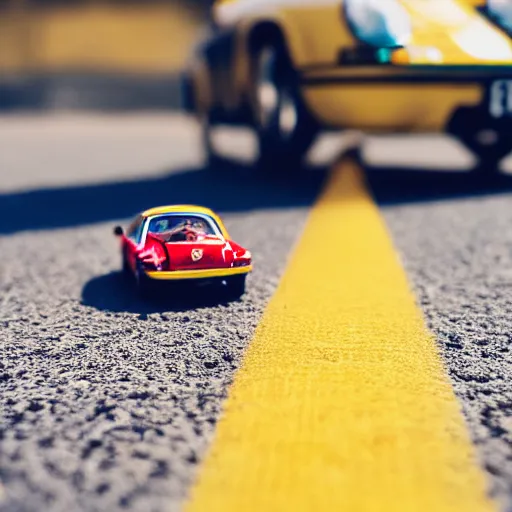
(142, 281)
(236, 286)
(285, 128)
(126, 270)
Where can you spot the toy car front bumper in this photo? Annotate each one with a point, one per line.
(211, 273)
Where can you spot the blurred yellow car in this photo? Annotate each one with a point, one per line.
(290, 68)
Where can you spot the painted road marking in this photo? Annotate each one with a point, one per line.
(342, 402)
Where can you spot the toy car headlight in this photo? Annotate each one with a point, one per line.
(379, 23)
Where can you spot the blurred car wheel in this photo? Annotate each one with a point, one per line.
(284, 127)
(213, 160)
(490, 147)
(489, 139)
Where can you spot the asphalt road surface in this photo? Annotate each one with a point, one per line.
(109, 403)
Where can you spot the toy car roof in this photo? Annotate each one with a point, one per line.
(186, 208)
(178, 208)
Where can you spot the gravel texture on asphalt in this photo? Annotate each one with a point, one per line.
(453, 234)
(109, 402)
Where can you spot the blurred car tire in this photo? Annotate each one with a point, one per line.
(285, 129)
(490, 140)
(214, 161)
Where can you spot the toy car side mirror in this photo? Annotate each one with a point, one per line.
(118, 231)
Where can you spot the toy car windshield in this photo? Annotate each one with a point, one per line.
(180, 228)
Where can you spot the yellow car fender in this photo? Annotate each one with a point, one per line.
(241, 63)
(294, 21)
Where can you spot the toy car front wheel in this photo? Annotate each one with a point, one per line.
(284, 127)
(236, 286)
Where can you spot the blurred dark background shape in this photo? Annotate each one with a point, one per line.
(105, 54)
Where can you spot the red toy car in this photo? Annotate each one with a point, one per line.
(183, 243)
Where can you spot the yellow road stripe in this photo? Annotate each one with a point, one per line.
(342, 402)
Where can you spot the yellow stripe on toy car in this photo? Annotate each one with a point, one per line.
(198, 274)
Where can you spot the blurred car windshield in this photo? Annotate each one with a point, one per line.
(502, 11)
(172, 222)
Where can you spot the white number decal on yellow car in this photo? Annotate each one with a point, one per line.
(501, 98)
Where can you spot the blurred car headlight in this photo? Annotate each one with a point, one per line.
(378, 23)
